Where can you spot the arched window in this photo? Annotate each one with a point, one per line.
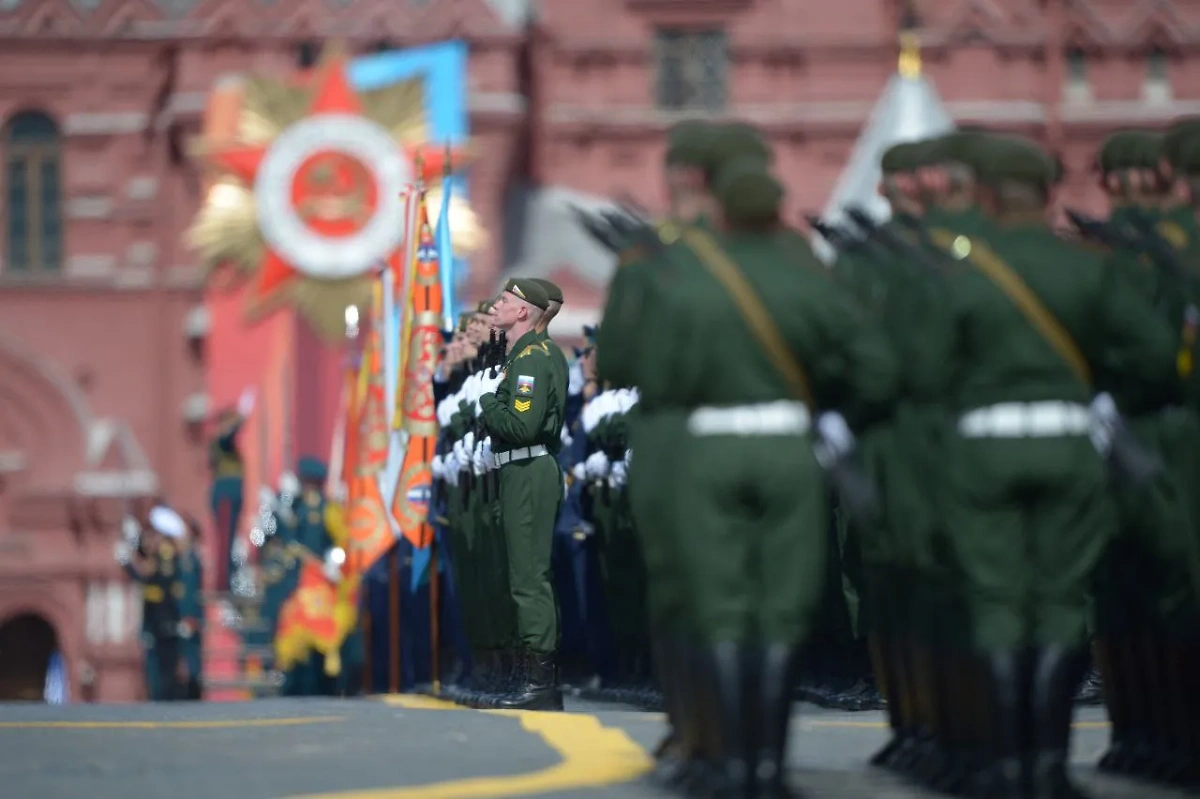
(33, 197)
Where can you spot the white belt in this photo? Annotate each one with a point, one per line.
(1026, 420)
(519, 454)
(785, 417)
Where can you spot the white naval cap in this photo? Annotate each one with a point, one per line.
(167, 522)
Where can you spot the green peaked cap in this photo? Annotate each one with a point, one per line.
(553, 292)
(528, 289)
(735, 140)
(688, 142)
(747, 190)
(1019, 161)
(1173, 140)
(1130, 149)
(901, 157)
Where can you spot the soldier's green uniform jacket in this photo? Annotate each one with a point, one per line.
(526, 409)
(1058, 480)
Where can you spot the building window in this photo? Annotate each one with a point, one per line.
(33, 199)
(1156, 88)
(1078, 88)
(693, 69)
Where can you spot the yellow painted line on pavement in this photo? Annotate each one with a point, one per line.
(592, 755)
(168, 725)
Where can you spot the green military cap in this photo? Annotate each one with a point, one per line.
(967, 147)
(485, 305)
(1180, 131)
(688, 141)
(735, 140)
(1130, 149)
(553, 292)
(1187, 159)
(528, 289)
(900, 157)
(1010, 159)
(464, 319)
(746, 189)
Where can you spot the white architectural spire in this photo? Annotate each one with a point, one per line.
(908, 110)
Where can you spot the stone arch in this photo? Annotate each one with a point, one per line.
(45, 602)
(42, 414)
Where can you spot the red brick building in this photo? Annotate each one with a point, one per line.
(101, 342)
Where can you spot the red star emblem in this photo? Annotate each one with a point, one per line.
(333, 192)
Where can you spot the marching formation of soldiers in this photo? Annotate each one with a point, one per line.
(1000, 416)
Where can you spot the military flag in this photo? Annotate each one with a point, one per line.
(421, 347)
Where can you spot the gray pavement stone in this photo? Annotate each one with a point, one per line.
(363, 744)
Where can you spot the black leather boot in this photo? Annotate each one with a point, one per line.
(671, 754)
(1057, 671)
(540, 690)
(774, 698)
(1002, 776)
(732, 778)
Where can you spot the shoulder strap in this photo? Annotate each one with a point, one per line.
(1008, 281)
(755, 314)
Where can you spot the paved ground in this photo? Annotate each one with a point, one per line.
(407, 748)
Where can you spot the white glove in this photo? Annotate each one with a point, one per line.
(266, 497)
(131, 531)
(289, 485)
(565, 437)
(590, 415)
(438, 467)
(459, 455)
(1104, 417)
(619, 473)
(245, 403)
(596, 466)
(477, 409)
(334, 558)
(478, 466)
(469, 442)
(451, 473)
(123, 552)
(489, 460)
(490, 384)
(580, 471)
(836, 438)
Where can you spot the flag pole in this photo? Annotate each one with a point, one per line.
(435, 632)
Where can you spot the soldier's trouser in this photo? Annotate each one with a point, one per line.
(166, 662)
(226, 504)
(1029, 520)
(624, 574)
(653, 439)
(756, 516)
(530, 493)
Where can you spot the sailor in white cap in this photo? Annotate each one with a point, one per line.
(162, 590)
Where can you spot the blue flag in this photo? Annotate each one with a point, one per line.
(420, 567)
(446, 257)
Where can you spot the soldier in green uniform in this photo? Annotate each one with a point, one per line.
(311, 534)
(781, 340)
(524, 419)
(1152, 572)
(191, 610)
(156, 566)
(654, 433)
(1032, 318)
(890, 286)
(1144, 579)
(225, 495)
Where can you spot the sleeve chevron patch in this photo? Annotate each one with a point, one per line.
(522, 405)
